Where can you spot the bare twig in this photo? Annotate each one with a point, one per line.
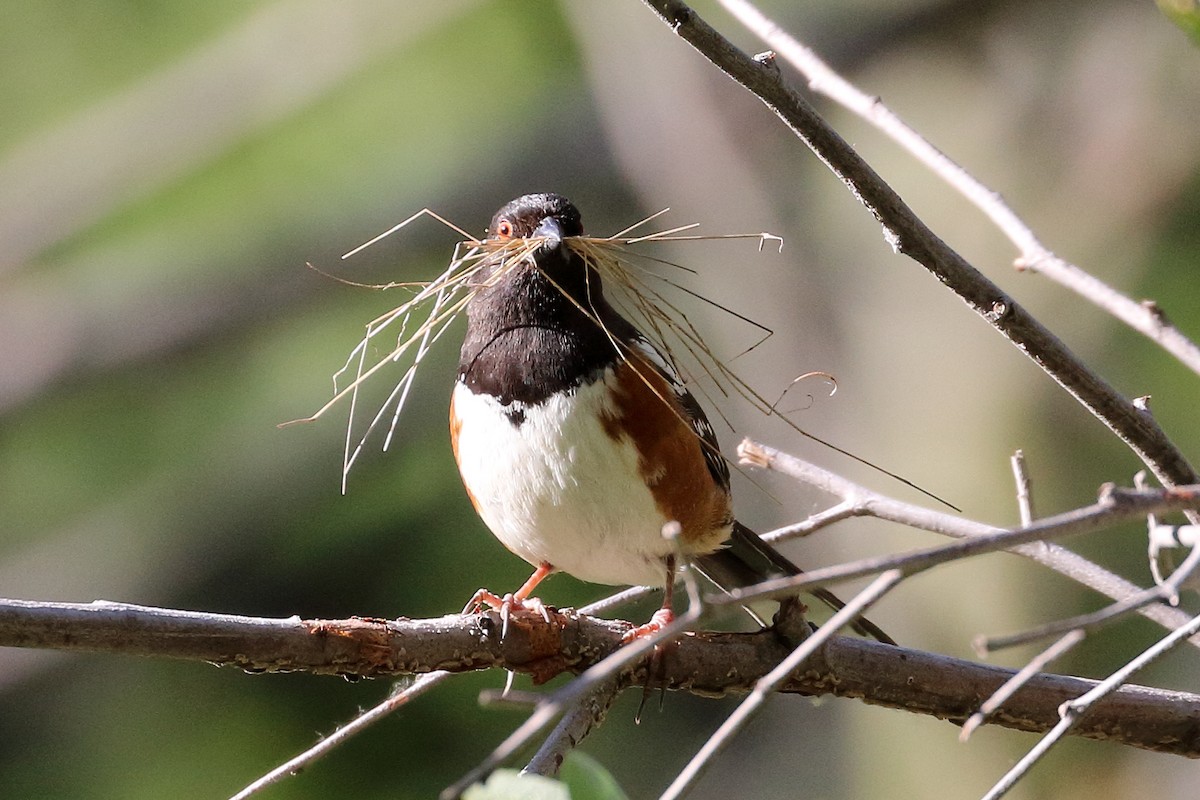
(869, 503)
(1024, 492)
(1165, 537)
(1091, 518)
(1074, 630)
(1081, 622)
(577, 723)
(1074, 711)
(359, 724)
(1023, 676)
(907, 234)
(607, 669)
(805, 527)
(812, 524)
(1144, 317)
(770, 683)
(1165, 592)
(577, 694)
(618, 599)
(1160, 537)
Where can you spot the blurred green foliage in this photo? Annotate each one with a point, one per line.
(1185, 14)
(167, 169)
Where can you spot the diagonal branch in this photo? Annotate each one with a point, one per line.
(1144, 317)
(575, 724)
(907, 234)
(1074, 710)
(328, 744)
(773, 680)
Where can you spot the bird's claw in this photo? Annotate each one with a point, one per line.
(505, 605)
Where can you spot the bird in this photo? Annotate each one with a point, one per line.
(575, 439)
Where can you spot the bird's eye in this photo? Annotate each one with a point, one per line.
(504, 229)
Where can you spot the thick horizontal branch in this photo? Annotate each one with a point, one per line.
(709, 664)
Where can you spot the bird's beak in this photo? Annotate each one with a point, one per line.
(550, 229)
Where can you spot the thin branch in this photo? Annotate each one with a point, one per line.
(1074, 711)
(339, 737)
(576, 724)
(1145, 317)
(1024, 489)
(1026, 673)
(618, 599)
(772, 681)
(869, 503)
(1082, 622)
(822, 519)
(1166, 591)
(611, 667)
(1111, 507)
(809, 525)
(907, 234)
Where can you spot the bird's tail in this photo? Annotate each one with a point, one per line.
(748, 560)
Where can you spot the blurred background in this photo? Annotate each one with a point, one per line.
(167, 169)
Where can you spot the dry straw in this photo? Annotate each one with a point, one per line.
(674, 342)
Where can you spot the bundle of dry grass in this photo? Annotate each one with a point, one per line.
(418, 323)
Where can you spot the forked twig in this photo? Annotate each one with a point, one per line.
(604, 674)
(1071, 523)
(1166, 591)
(572, 693)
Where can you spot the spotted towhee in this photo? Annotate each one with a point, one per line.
(576, 441)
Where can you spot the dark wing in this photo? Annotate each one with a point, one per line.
(747, 559)
(695, 414)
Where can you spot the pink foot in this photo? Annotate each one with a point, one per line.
(658, 620)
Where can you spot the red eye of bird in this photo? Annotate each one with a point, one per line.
(504, 229)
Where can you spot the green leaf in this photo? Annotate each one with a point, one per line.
(589, 780)
(508, 784)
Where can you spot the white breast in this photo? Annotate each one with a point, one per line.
(558, 489)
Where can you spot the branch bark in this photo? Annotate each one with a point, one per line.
(707, 664)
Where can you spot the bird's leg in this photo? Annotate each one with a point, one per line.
(519, 600)
(664, 616)
(660, 619)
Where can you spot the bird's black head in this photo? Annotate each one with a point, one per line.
(552, 269)
(541, 324)
(545, 214)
